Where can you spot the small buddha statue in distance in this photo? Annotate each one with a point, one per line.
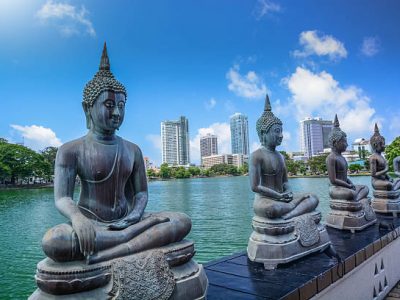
(379, 166)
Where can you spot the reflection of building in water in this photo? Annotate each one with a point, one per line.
(175, 142)
(208, 145)
(362, 147)
(314, 134)
(239, 134)
(230, 159)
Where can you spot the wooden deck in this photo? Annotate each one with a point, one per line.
(236, 277)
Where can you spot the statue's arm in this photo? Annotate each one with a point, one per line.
(331, 165)
(285, 180)
(396, 165)
(378, 174)
(255, 181)
(64, 183)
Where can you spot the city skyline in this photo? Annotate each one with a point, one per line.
(203, 61)
(175, 142)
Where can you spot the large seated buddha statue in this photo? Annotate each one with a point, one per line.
(286, 225)
(386, 189)
(112, 248)
(350, 205)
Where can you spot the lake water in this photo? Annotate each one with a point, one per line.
(220, 209)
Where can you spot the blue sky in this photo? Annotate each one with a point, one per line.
(205, 60)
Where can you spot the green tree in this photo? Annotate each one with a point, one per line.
(392, 151)
(151, 173)
(285, 155)
(165, 171)
(317, 164)
(244, 169)
(292, 166)
(49, 155)
(355, 167)
(194, 171)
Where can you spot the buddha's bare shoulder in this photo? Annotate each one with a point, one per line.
(132, 147)
(69, 150)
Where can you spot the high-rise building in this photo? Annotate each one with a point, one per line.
(239, 134)
(314, 134)
(175, 142)
(208, 145)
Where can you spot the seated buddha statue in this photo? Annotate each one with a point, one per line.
(350, 205)
(286, 225)
(268, 174)
(379, 166)
(386, 189)
(108, 221)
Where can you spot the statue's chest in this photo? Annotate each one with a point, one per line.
(272, 165)
(102, 162)
(341, 165)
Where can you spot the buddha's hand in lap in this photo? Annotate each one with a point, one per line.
(286, 196)
(86, 234)
(124, 223)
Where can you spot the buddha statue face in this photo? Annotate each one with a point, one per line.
(378, 144)
(273, 137)
(107, 112)
(341, 144)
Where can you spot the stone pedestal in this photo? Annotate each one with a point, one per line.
(350, 215)
(386, 202)
(163, 273)
(278, 241)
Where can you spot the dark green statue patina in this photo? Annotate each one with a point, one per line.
(286, 225)
(386, 189)
(108, 221)
(350, 205)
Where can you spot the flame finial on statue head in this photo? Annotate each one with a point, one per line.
(104, 61)
(267, 119)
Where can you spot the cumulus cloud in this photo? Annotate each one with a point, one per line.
(324, 45)
(210, 104)
(223, 133)
(265, 8)
(69, 19)
(155, 140)
(37, 137)
(319, 94)
(249, 86)
(370, 46)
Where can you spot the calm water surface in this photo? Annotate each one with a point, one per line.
(220, 209)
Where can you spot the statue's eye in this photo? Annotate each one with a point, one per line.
(109, 104)
(121, 104)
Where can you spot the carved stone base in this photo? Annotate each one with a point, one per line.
(278, 241)
(386, 202)
(164, 273)
(341, 218)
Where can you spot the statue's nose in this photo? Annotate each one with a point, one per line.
(116, 111)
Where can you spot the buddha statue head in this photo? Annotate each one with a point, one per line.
(104, 99)
(337, 138)
(377, 141)
(269, 127)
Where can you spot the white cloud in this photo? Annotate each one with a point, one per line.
(38, 137)
(370, 46)
(249, 86)
(69, 19)
(223, 133)
(319, 94)
(210, 104)
(324, 45)
(155, 140)
(266, 7)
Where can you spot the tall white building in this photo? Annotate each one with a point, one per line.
(208, 145)
(239, 134)
(175, 142)
(314, 135)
